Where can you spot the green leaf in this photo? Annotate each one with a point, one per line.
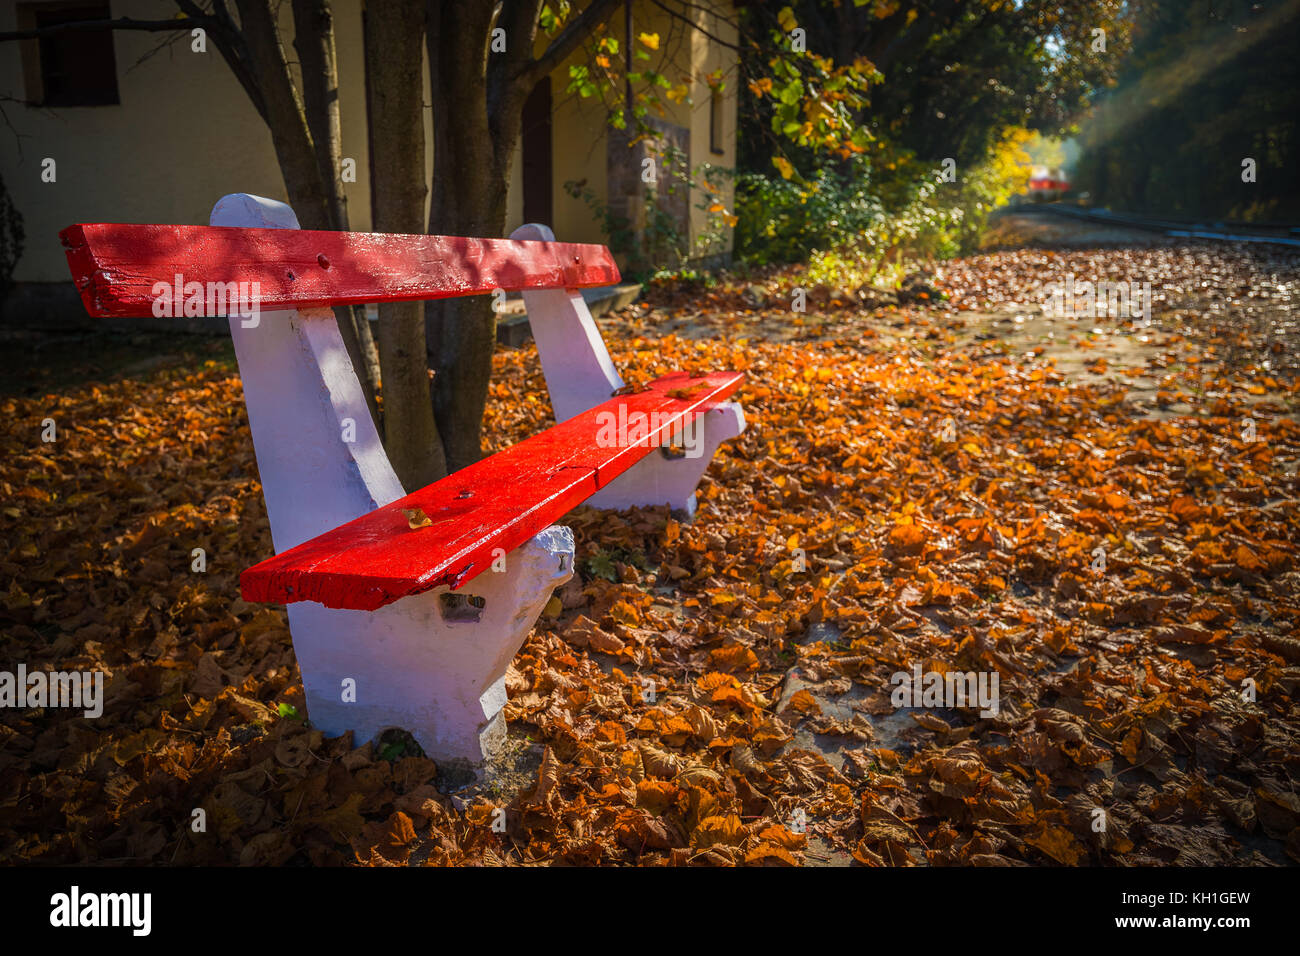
(601, 565)
(289, 711)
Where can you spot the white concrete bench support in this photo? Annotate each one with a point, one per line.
(412, 664)
(580, 375)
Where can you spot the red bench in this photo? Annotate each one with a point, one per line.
(347, 547)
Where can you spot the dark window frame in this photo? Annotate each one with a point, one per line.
(716, 122)
(72, 69)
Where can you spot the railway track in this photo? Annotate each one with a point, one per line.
(1221, 230)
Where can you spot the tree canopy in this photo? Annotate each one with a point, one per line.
(946, 78)
(1209, 84)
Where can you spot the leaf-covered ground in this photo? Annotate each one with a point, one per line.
(944, 481)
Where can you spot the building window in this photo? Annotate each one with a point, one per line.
(537, 163)
(715, 123)
(70, 67)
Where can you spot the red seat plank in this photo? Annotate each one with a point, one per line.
(500, 502)
(116, 267)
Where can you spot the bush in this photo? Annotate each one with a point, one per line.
(784, 220)
(664, 244)
(876, 216)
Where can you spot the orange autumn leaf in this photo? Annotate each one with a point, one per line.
(655, 795)
(726, 829)
(907, 537)
(804, 703)
(771, 853)
(784, 837)
(736, 657)
(713, 680)
(1058, 843)
(416, 518)
(1132, 741)
(1247, 560)
(625, 613)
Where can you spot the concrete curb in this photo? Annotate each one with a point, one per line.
(512, 324)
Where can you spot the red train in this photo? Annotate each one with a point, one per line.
(1047, 184)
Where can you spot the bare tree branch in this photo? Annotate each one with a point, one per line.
(567, 41)
(121, 23)
(230, 43)
(164, 44)
(678, 15)
(18, 137)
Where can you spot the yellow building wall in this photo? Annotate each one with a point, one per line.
(185, 134)
(580, 126)
(714, 58)
(578, 143)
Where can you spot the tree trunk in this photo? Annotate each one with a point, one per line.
(313, 39)
(471, 151)
(285, 115)
(396, 107)
(292, 139)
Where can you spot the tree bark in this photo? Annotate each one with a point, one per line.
(396, 107)
(285, 115)
(291, 136)
(478, 98)
(313, 39)
(469, 199)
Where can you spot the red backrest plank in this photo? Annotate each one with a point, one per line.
(118, 268)
(500, 502)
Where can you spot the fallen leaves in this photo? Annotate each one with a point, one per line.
(921, 502)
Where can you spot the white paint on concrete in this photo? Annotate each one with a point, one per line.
(443, 680)
(580, 375)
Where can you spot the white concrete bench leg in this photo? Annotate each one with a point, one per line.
(412, 664)
(657, 480)
(580, 375)
(425, 668)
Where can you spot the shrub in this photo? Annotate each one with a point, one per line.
(877, 215)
